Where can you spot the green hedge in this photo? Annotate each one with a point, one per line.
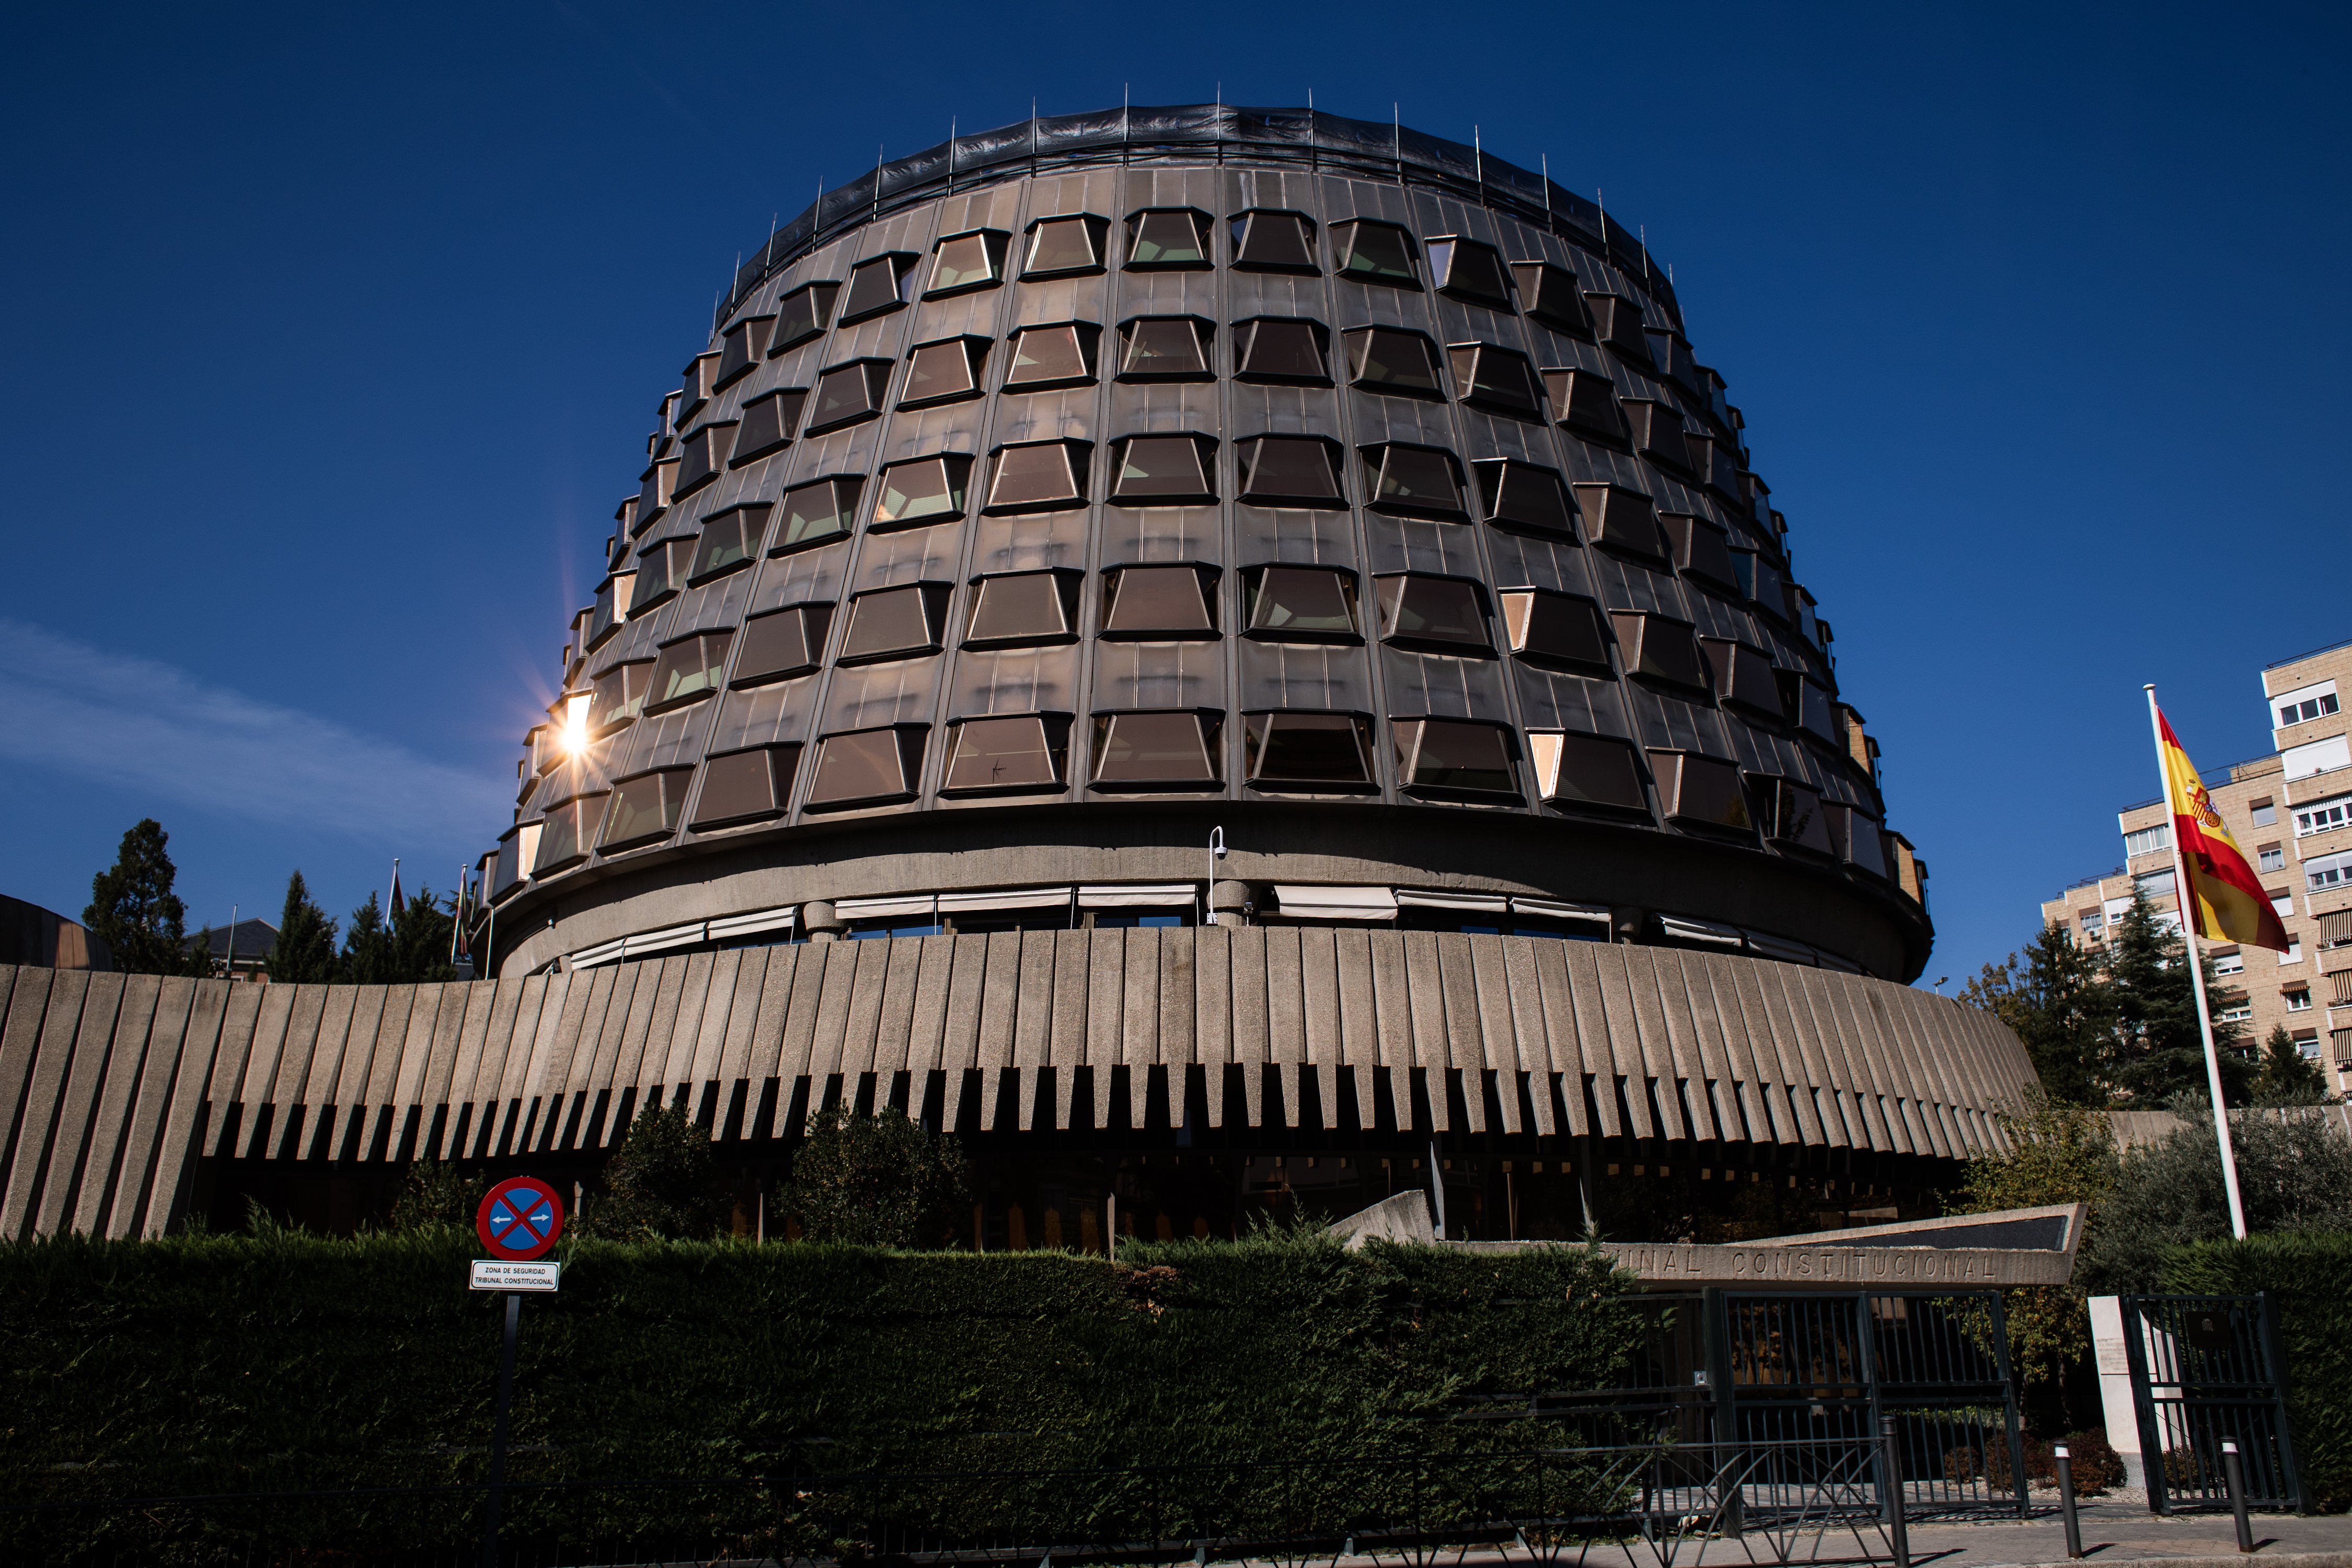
(2310, 1273)
(220, 1364)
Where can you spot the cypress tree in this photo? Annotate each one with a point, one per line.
(420, 938)
(367, 947)
(134, 911)
(306, 939)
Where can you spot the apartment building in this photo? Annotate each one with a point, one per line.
(2292, 812)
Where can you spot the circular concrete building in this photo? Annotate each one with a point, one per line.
(1068, 494)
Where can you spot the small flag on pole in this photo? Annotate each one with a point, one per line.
(2229, 904)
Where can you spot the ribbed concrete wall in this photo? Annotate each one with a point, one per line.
(114, 1084)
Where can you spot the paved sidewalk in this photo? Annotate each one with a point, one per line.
(2125, 1532)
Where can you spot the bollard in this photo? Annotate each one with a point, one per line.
(2066, 1500)
(2234, 1468)
(1890, 1456)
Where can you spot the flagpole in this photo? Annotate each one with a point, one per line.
(2184, 896)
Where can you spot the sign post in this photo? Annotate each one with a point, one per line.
(520, 1221)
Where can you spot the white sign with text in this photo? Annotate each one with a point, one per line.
(490, 1274)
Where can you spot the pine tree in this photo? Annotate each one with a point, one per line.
(2161, 1052)
(2287, 1076)
(367, 947)
(2061, 1008)
(305, 952)
(134, 911)
(420, 938)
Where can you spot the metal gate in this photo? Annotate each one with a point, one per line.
(2205, 1370)
(1827, 1368)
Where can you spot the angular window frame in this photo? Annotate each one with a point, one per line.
(695, 387)
(1443, 271)
(995, 244)
(846, 490)
(663, 571)
(702, 457)
(1260, 729)
(1702, 552)
(781, 765)
(955, 469)
(813, 620)
(1245, 336)
(1242, 230)
(1555, 755)
(876, 374)
(751, 525)
(974, 358)
(1651, 645)
(1204, 345)
(1086, 335)
(1789, 813)
(711, 666)
(1096, 227)
(741, 349)
(1205, 450)
(1503, 482)
(605, 717)
(1205, 578)
(1584, 403)
(1066, 582)
(1202, 223)
(1552, 295)
(1392, 593)
(1520, 609)
(795, 325)
(932, 597)
(1208, 731)
(1409, 739)
(1360, 342)
(905, 748)
(1617, 325)
(1345, 254)
(1744, 677)
(1254, 588)
(574, 823)
(1250, 458)
(903, 264)
(1696, 790)
(1622, 520)
(668, 787)
(760, 434)
(1657, 432)
(1389, 460)
(1077, 463)
(1052, 732)
(1475, 367)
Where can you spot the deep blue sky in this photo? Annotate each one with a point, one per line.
(332, 337)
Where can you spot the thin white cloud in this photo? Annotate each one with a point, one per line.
(142, 725)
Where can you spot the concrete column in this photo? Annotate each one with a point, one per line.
(1628, 924)
(2113, 1358)
(1225, 901)
(821, 923)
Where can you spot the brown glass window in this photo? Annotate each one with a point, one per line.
(1657, 429)
(1302, 604)
(1415, 481)
(1023, 607)
(1701, 790)
(1059, 246)
(877, 286)
(618, 695)
(1549, 294)
(1622, 519)
(1028, 751)
(1161, 749)
(745, 344)
(895, 623)
(966, 261)
(1470, 272)
(1161, 470)
(943, 372)
(1617, 322)
(662, 571)
(1743, 675)
(849, 393)
(782, 644)
(742, 787)
(1159, 602)
(1661, 648)
(645, 808)
(567, 831)
(768, 425)
(1168, 236)
(702, 456)
(1393, 361)
(1791, 813)
(1048, 357)
(1521, 495)
(701, 371)
(1546, 628)
(1497, 380)
(1585, 401)
(1587, 771)
(1453, 756)
(1290, 750)
(1048, 476)
(1164, 348)
(688, 670)
(731, 538)
(1701, 549)
(1445, 613)
(817, 512)
(926, 490)
(1283, 351)
(1290, 472)
(1274, 242)
(866, 766)
(1375, 252)
(802, 314)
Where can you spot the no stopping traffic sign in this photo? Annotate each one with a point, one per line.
(520, 1219)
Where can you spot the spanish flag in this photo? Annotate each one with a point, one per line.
(2229, 903)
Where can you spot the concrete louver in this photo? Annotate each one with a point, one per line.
(115, 1086)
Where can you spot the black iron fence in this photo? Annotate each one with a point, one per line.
(2205, 1373)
